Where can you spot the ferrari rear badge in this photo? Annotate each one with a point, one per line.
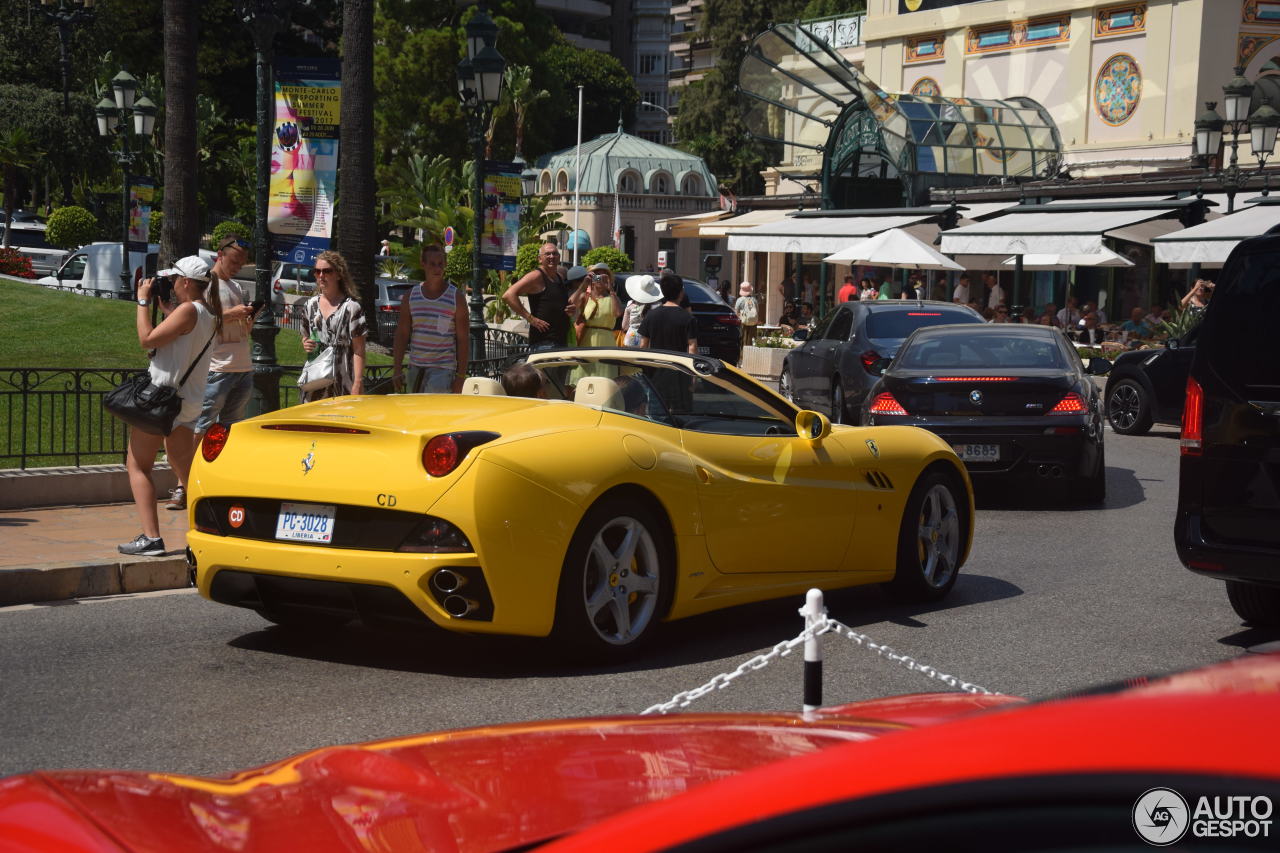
(309, 461)
(975, 397)
(871, 445)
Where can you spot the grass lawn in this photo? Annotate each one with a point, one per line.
(56, 420)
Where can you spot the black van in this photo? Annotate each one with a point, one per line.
(1228, 521)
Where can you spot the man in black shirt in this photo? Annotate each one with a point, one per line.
(550, 303)
(669, 326)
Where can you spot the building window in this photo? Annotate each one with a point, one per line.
(544, 185)
(562, 182)
(692, 185)
(650, 63)
(660, 185)
(629, 183)
(657, 98)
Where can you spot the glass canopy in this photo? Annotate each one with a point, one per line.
(811, 103)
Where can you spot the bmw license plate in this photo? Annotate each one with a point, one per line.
(305, 522)
(978, 452)
(704, 350)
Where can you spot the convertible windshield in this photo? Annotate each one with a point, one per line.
(981, 351)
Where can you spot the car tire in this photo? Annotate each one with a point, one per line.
(839, 412)
(930, 540)
(1129, 408)
(617, 580)
(1257, 605)
(786, 384)
(1093, 488)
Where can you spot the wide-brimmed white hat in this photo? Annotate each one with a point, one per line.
(643, 289)
(192, 266)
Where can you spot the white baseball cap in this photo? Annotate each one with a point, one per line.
(192, 267)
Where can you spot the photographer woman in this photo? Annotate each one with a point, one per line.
(181, 338)
(333, 317)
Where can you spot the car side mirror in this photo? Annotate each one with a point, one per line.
(879, 366)
(1098, 366)
(801, 335)
(812, 426)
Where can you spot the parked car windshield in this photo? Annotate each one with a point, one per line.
(397, 289)
(952, 351)
(901, 323)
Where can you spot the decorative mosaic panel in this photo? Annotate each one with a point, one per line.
(1033, 33)
(927, 86)
(1249, 44)
(1261, 12)
(1120, 20)
(1118, 89)
(924, 48)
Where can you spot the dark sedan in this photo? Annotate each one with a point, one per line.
(1014, 401)
(831, 370)
(1149, 386)
(718, 327)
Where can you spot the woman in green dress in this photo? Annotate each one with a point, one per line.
(598, 311)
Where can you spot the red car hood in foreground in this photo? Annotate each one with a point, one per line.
(475, 789)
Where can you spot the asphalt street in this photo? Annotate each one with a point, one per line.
(1052, 600)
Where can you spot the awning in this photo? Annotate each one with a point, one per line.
(1211, 242)
(817, 234)
(687, 226)
(1077, 232)
(724, 227)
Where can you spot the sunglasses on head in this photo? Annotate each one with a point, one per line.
(234, 241)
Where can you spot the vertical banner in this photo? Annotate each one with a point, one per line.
(501, 202)
(304, 158)
(142, 191)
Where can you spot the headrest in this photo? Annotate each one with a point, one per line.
(599, 392)
(482, 385)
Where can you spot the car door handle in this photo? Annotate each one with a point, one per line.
(703, 474)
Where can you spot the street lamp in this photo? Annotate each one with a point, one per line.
(479, 87)
(1262, 127)
(65, 16)
(122, 117)
(665, 112)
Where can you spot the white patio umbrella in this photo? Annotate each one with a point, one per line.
(1105, 258)
(894, 248)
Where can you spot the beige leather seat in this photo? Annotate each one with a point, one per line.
(483, 385)
(599, 392)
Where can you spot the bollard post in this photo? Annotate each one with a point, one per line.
(813, 612)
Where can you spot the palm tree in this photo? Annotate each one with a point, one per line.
(356, 214)
(517, 96)
(429, 195)
(17, 153)
(181, 229)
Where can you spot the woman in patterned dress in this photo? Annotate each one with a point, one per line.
(333, 317)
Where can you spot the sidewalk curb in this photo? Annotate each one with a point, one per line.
(59, 582)
(38, 488)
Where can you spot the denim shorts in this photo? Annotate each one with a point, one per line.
(431, 380)
(225, 397)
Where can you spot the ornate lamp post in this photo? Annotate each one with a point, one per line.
(265, 19)
(1261, 126)
(479, 87)
(66, 15)
(114, 119)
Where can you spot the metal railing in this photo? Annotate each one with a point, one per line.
(53, 416)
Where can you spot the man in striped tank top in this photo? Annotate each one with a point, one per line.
(434, 330)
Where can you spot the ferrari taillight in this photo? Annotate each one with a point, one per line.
(214, 440)
(886, 404)
(1192, 443)
(1072, 404)
(441, 455)
(868, 359)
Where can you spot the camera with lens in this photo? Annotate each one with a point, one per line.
(162, 289)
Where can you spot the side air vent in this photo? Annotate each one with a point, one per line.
(879, 480)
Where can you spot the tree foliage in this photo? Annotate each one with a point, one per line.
(429, 195)
(71, 227)
(230, 228)
(615, 258)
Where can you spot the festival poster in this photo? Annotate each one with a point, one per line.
(142, 192)
(501, 203)
(304, 157)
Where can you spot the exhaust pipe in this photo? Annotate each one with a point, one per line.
(1043, 470)
(457, 606)
(447, 581)
(1056, 470)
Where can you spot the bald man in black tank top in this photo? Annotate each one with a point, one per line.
(551, 301)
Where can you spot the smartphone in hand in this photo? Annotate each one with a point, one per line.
(258, 305)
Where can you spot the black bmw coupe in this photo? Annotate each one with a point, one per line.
(1015, 401)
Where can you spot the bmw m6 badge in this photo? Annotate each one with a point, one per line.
(871, 445)
(309, 461)
(975, 397)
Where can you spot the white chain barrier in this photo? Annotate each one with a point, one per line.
(816, 626)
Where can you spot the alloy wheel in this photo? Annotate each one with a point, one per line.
(1123, 407)
(621, 580)
(938, 536)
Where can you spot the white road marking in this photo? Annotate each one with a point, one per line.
(97, 599)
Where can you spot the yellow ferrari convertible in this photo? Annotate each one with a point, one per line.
(639, 486)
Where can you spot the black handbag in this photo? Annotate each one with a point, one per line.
(146, 406)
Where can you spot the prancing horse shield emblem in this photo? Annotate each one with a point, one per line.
(871, 445)
(975, 397)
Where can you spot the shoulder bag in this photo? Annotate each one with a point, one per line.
(321, 371)
(144, 405)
